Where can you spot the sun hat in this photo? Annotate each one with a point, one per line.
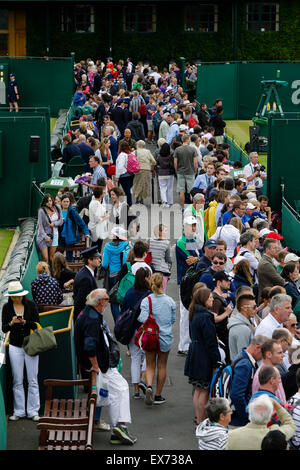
(119, 232)
(15, 289)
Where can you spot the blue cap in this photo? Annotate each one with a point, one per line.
(173, 100)
(11, 74)
(210, 242)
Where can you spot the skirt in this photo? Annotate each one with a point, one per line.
(199, 383)
(141, 184)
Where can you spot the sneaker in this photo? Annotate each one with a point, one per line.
(136, 396)
(143, 387)
(122, 433)
(149, 396)
(114, 440)
(35, 418)
(14, 418)
(158, 400)
(102, 426)
(182, 353)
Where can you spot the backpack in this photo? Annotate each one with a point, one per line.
(133, 164)
(276, 222)
(187, 283)
(126, 323)
(192, 123)
(147, 336)
(221, 381)
(143, 110)
(125, 284)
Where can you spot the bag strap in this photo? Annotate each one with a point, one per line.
(150, 306)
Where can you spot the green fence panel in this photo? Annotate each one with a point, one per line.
(283, 163)
(290, 226)
(18, 172)
(43, 81)
(239, 85)
(218, 81)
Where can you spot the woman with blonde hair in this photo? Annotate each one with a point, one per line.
(45, 289)
(164, 312)
(61, 272)
(141, 182)
(105, 153)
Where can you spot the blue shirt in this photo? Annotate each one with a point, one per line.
(99, 172)
(203, 181)
(172, 132)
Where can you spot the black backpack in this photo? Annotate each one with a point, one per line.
(188, 281)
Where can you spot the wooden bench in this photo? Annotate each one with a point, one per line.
(68, 424)
(77, 262)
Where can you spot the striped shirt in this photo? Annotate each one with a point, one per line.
(161, 255)
(295, 402)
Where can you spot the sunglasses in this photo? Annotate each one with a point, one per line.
(219, 262)
(293, 324)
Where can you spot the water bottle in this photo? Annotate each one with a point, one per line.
(120, 365)
(278, 74)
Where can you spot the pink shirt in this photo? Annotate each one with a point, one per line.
(280, 393)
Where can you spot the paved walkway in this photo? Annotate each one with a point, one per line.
(160, 427)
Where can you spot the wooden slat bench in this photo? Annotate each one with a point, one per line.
(68, 424)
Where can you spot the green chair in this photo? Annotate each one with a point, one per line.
(74, 167)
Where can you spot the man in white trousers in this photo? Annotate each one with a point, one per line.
(91, 337)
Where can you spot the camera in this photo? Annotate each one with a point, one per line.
(259, 168)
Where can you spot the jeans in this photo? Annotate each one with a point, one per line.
(18, 358)
(126, 182)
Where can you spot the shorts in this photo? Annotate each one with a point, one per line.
(185, 183)
(149, 125)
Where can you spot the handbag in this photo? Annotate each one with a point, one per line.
(103, 398)
(147, 336)
(114, 349)
(39, 340)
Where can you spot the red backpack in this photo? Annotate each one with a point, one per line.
(147, 336)
(192, 123)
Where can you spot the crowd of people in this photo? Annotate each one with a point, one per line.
(238, 285)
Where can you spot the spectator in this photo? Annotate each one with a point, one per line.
(209, 249)
(70, 150)
(92, 350)
(272, 355)
(185, 165)
(133, 299)
(136, 127)
(253, 173)
(160, 250)
(165, 171)
(196, 209)
(203, 355)
(85, 150)
(98, 218)
(60, 271)
(245, 365)
(45, 288)
(164, 312)
(219, 124)
(248, 246)
(290, 273)
(49, 221)
(274, 440)
(283, 337)
(242, 273)
(141, 183)
(280, 310)
(124, 178)
(295, 402)
(203, 180)
(240, 326)
(231, 234)
(250, 436)
(266, 271)
(128, 139)
(19, 316)
(222, 307)
(212, 433)
(218, 264)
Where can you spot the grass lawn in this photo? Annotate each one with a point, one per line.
(239, 130)
(5, 240)
(52, 123)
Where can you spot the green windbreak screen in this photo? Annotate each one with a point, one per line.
(290, 226)
(238, 84)
(42, 81)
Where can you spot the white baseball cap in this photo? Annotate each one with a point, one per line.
(190, 220)
(264, 232)
(291, 257)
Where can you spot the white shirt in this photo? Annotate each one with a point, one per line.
(248, 171)
(121, 164)
(231, 235)
(267, 326)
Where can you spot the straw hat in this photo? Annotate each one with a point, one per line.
(15, 289)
